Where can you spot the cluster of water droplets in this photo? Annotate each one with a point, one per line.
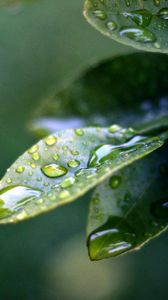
(130, 24)
(62, 167)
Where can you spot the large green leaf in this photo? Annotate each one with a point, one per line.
(109, 94)
(64, 166)
(129, 209)
(141, 24)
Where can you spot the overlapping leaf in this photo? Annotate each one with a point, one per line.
(129, 209)
(141, 24)
(109, 93)
(64, 166)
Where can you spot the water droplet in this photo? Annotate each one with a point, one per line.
(69, 181)
(55, 156)
(14, 197)
(75, 153)
(111, 26)
(159, 209)
(22, 215)
(111, 239)
(36, 156)
(73, 163)
(114, 128)
(141, 35)
(100, 14)
(79, 131)
(107, 152)
(9, 180)
(141, 17)
(54, 171)
(33, 149)
(156, 2)
(115, 182)
(163, 13)
(127, 2)
(50, 140)
(64, 194)
(33, 166)
(20, 169)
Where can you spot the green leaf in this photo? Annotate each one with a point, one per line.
(130, 209)
(113, 97)
(64, 166)
(141, 24)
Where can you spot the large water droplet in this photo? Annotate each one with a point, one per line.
(103, 153)
(163, 13)
(53, 170)
(13, 197)
(141, 35)
(141, 17)
(111, 239)
(159, 209)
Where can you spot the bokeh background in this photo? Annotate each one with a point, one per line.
(44, 45)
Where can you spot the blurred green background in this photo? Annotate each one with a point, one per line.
(44, 45)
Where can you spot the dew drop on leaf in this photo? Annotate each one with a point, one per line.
(13, 197)
(54, 170)
(73, 163)
(20, 169)
(111, 239)
(100, 14)
(141, 35)
(50, 140)
(163, 13)
(115, 182)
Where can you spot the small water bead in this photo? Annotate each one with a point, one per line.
(54, 170)
(141, 17)
(20, 169)
(33, 166)
(22, 215)
(163, 13)
(75, 153)
(141, 35)
(67, 182)
(9, 180)
(111, 25)
(36, 156)
(50, 140)
(73, 163)
(64, 194)
(159, 209)
(115, 182)
(55, 156)
(33, 149)
(79, 131)
(100, 14)
(111, 239)
(127, 3)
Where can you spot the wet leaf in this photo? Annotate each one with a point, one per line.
(141, 24)
(110, 98)
(64, 166)
(130, 208)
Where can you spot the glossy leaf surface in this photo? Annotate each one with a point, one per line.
(130, 208)
(64, 166)
(141, 24)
